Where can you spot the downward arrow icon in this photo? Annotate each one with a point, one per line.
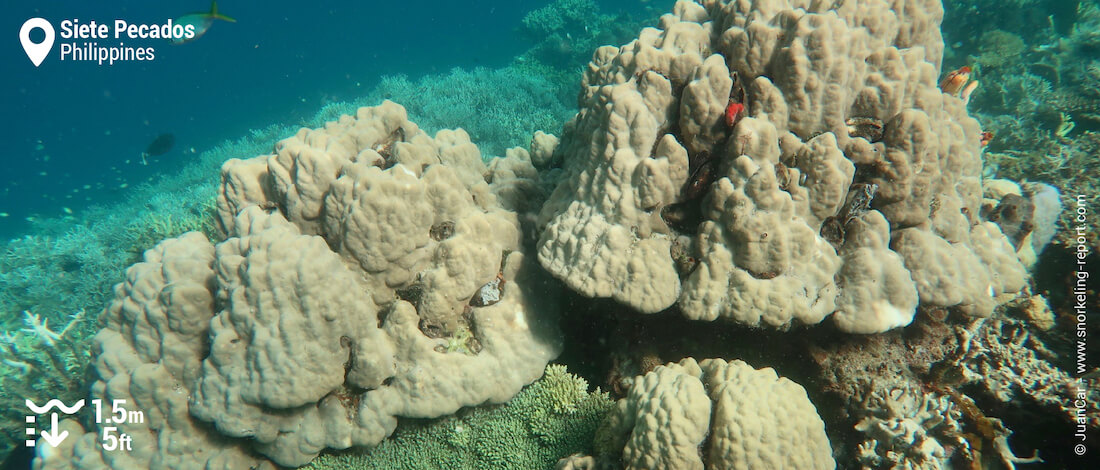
(52, 437)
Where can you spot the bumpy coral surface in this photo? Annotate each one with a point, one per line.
(150, 355)
(717, 415)
(345, 296)
(774, 162)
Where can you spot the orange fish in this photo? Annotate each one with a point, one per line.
(733, 113)
(953, 83)
(986, 137)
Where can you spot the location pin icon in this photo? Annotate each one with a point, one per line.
(36, 52)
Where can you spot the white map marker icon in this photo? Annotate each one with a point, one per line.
(36, 52)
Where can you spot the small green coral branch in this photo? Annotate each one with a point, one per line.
(155, 226)
(552, 418)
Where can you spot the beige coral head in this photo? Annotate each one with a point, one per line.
(711, 414)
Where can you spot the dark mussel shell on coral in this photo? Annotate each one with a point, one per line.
(833, 232)
(737, 91)
(783, 176)
(866, 127)
(385, 147)
(442, 230)
(684, 217)
(700, 180)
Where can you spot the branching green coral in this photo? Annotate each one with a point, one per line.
(499, 108)
(40, 363)
(155, 226)
(565, 32)
(562, 390)
(554, 417)
(1000, 48)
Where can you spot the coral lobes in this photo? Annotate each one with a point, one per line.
(769, 163)
(715, 414)
(653, 110)
(310, 345)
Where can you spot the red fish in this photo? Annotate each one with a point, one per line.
(733, 113)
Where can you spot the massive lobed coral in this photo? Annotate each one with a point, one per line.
(717, 415)
(849, 184)
(370, 272)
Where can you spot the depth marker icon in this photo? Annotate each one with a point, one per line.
(52, 436)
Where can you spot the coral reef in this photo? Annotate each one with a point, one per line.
(72, 262)
(718, 415)
(1005, 360)
(40, 363)
(565, 32)
(329, 306)
(1027, 214)
(769, 163)
(908, 429)
(999, 48)
(553, 417)
(499, 108)
(895, 359)
(789, 210)
(1038, 97)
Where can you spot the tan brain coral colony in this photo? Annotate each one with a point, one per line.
(717, 415)
(393, 287)
(777, 161)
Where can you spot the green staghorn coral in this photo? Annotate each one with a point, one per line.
(565, 32)
(499, 108)
(554, 417)
(999, 48)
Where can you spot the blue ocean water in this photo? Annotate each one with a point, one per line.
(71, 125)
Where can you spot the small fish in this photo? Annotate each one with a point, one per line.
(953, 83)
(733, 113)
(159, 146)
(969, 90)
(986, 138)
(201, 21)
